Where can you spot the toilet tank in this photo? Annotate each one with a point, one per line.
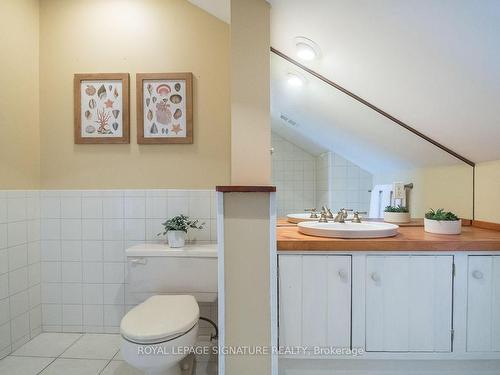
(159, 269)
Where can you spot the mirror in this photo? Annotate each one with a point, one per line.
(331, 150)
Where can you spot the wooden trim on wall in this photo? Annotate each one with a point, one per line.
(245, 189)
(372, 106)
(486, 225)
(140, 78)
(78, 78)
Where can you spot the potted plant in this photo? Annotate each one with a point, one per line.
(176, 229)
(397, 214)
(442, 222)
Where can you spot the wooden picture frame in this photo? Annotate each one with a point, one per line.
(101, 108)
(164, 108)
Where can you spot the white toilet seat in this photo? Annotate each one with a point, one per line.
(160, 318)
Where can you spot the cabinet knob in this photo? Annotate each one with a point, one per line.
(477, 275)
(375, 277)
(342, 275)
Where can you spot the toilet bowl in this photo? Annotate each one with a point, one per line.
(160, 332)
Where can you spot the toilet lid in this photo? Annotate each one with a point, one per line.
(160, 318)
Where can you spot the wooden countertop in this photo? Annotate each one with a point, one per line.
(408, 239)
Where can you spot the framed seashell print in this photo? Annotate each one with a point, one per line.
(101, 108)
(164, 108)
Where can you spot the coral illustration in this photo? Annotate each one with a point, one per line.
(103, 120)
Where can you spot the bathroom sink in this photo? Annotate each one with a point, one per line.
(298, 218)
(348, 229)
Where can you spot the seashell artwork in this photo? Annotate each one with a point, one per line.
(163, 114)
(101, 93)
(166, 109)
(176, 99)
(163, 89)
(90, 90)
(100, 108)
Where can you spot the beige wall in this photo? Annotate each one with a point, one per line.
(133, 36)
(488, 191)
(250, 96)
(448, 187)
(19, 128)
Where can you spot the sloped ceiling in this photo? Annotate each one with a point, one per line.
(433, 64)
(218, 8)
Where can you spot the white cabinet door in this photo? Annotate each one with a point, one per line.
(483, 304)
(409, 303)
(315, 300)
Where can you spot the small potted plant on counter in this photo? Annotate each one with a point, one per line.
(397, 214)
(442, 222)
(176, 229)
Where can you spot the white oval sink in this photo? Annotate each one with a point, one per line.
(298, 218)
(348, 230)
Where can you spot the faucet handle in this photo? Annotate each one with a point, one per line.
(313, 211)
(324, 217)
(356, 218)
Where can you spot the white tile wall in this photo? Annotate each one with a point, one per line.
(20, 296)
(342, 184)
(294, 175)
(84, 234)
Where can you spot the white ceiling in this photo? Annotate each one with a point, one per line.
(218, 8)
(434, 64)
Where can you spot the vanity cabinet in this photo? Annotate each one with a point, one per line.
(409, 303)
(315, 300)
(483, 303)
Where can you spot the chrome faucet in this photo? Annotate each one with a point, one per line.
(356, 218)
(323, 218)
(341, 215)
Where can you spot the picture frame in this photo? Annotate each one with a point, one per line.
(164, 108)
(101, 108)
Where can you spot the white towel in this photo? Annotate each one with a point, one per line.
(381, 198)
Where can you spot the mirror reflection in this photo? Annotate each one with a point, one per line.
(332, 151)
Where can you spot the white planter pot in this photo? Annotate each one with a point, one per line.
(176, 238)
(397, 217)
(443, 227)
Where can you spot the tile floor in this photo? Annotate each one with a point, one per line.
(77, 354)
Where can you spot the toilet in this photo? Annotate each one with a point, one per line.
(158, 334)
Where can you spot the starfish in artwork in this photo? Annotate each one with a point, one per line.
(176, 128)
(108, 103)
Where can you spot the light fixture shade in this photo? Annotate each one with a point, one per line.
(306, 49)
(295, 80)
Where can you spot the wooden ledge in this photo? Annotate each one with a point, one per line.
(245, 189)
(486, 225)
